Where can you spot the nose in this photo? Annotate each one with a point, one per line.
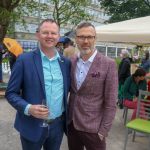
(85, 40)
(49, 34)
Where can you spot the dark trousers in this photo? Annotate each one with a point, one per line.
(51, 142)
(77, 140)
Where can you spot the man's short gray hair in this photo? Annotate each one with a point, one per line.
(84, 24)
(125, 53)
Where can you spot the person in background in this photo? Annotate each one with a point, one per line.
(41, 77)
(62, 44)
(93, 94)
(131, 89)
(70, 51)
(60, 47)
(67, 42)
(145, 64)
(123, 73)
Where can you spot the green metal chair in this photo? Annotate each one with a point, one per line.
(125, 114)
(142, 121)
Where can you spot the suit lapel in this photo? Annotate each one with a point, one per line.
(73, 73)
(92, 69)
(39, 68)
(61, 62)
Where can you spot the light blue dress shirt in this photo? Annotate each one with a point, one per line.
(83, 68)
(54, 88)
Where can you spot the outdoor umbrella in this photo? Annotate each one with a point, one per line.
(13, 46)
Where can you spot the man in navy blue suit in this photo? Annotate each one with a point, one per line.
(40, 75)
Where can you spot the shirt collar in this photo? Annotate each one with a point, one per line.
(43, 56)
(91, 59)
(93, 56)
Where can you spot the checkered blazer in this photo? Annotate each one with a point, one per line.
(92, 108)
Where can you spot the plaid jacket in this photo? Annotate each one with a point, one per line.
(92, 108)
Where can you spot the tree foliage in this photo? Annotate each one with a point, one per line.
(6, 14)
(121, 10)
(12, 10)
(64, 11)
(70, 10)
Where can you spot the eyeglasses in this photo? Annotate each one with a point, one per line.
(89, 38)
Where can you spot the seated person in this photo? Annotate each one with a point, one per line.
(131, 89)
(148, 89)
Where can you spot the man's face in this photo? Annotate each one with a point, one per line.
(48, 35)
(85, 40)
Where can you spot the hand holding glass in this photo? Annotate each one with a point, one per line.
(44, 124)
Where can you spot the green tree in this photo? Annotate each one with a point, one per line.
(121, 10)
(71, 11)
(12, 11)
(64, 11)
(6, 14)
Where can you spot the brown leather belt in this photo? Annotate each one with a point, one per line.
(50, 121)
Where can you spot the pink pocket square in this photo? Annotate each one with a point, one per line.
(95, 75)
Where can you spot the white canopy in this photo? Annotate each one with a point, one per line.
(134, 31)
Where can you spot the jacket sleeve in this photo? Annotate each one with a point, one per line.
(143, 85)
(110, 97)
(123, 70)
(126, 87)
(13, 91)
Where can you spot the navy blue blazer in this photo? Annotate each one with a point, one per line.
(26, 86)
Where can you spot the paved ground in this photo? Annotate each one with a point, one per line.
(9, 138)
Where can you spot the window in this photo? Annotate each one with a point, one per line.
(111, 52)
(101, 49)
(28, 45)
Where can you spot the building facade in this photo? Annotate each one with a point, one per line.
(26, 34)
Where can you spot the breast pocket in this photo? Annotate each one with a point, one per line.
(95, 82)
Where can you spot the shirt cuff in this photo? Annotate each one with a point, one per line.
(101, 136)
(26, 111)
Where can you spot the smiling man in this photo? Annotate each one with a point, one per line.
(93, 93)
(41, 76)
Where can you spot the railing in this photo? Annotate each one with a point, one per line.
(6, 68)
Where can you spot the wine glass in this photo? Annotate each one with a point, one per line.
(44, 123)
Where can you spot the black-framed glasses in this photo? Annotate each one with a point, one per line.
(89, 38)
